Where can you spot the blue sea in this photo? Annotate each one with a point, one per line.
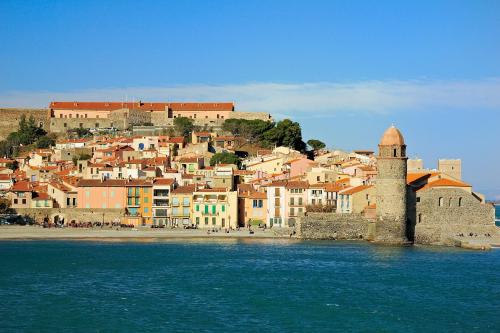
(245, 286)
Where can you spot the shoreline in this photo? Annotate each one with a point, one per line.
(143, 235)
(39, 233)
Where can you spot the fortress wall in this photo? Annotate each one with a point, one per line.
(334, 226)
(79, 215)
(436, 224)
(9, 119)
(251, 115)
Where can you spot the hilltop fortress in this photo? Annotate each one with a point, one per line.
(120, 115)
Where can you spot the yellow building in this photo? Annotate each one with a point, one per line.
(215, 208)
(139, 204)
(355, 199)
(180, 202)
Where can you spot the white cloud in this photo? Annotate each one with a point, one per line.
(301, 99)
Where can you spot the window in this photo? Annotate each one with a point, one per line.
(318, 178)
(137, 201)
(206, 220)
(197, 220)
(441, 200)
(175, 201)
(146, 190)
(449, 203)
(292, 201)
(129, 201)
(24, 201)
(213, 221)
(313, 201)
(68, 201)
(395, 152)
(459, 202)
(292, 212)
(185, 201)
(300, 201)
(130, 191)
(146, 210)
(419, 218)
(206, 209)
(185, 211)
(213, 209)
(223, 208)
(15, 201)
(197, 208)
(276, 192)
(418, 199)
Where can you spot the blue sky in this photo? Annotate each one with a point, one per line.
(345, 69)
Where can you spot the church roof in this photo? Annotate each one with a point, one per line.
(392, 137)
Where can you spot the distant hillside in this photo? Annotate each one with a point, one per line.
(9, 119)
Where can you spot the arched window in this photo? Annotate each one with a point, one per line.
(395, 152)
(441, 201)
(449, 203)
(459, 202)
(419, 218)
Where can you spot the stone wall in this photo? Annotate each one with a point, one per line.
(9, 119)
(251, 115)
(61, 125)
(69, 214)
(334, 226)
(460, 213)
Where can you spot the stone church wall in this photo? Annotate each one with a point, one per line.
(333, 226)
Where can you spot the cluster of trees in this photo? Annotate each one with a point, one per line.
(27, 134)
(225, 158)
(268, 134)
(80, 132)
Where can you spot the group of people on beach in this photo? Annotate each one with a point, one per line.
(471, 234)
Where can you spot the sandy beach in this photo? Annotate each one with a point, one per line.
(35, 232)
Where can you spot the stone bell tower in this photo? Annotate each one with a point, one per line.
(390, 226)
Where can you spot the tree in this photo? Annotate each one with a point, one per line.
(80, 132)
(5, 206)
(224, 158)
(45, 142)
(251, 130)
(286, 133)
(316, 144)
(184, 126)
(81, 157)
(13, 165)
(175, 150)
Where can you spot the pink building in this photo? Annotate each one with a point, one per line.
(95, 193)
(298, 167)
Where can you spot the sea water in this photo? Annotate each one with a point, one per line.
(245, 286)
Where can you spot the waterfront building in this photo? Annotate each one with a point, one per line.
(215, 208)
(181, 199)
(252, 208)
(101, 193)
(355, 199)
(161, 200)
(139, 204)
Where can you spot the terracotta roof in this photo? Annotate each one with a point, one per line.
(257, 195)
(163, 181)
(102, 183)
(145, 106)
(177, 139)
(443, 182)
(353, 190)
(22, 186)
(215, 189)
(5, 177)
(392, 136)
(42, 196)
(184, 189)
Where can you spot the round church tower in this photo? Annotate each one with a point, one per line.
(390, 226)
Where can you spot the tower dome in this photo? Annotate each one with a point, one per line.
(392, 137)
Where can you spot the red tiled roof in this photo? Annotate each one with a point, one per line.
(163, 181)
(184, 189)
(145, 106)
(353, 190)
(443, 182)
(22, 186)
